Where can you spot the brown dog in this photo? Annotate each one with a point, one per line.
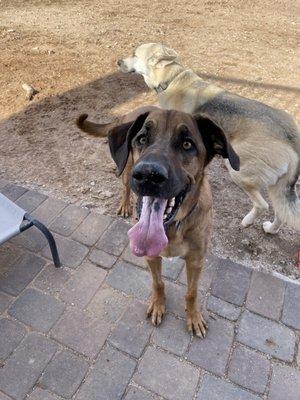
(169, 151)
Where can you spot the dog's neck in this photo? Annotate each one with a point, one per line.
(167, 75)
(193, 204)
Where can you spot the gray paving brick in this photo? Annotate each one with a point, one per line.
(249, 369)
(41, 394)
(21, 273)
(171, 267)
(209, 270)
(109, 377)
(8, 255)
(11, 334)
(158, 371)
(285, 383)
(71, 253)
(135, 393)
(30, 200)
(64, 374)
(5, 301)
(32, 239)
(212, 353)
(37, 309)
(4, 397)
(24, 367)
(114, 240)
(172, 335)
(267, 336)
(291, 308)
(265, 296)
(298, 356)
(133, 331)
(131, 258)
(213, 388)
(69, 219)
(90, 230)
(51, 279)
(82, 285)
(12, 191)
(81, 332)
(175, 298)
(102, 259)
(49, 210)
(130, 279)
(108, 304)
(222, 308)
(231, 282)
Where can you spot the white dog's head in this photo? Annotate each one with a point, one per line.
(149, 60)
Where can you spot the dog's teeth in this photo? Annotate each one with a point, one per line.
(169, 209)
(165, 216)
(172, 202)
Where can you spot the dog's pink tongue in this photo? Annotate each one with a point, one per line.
(148, 237)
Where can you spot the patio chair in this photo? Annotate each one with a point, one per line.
(14, 220)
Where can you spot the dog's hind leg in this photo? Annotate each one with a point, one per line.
(247, 180)
(259, 206)
(252, 189)
(272, 227)
(156, 307)
(125, 206)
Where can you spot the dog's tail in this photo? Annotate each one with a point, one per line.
(285, 200)
(100, 130)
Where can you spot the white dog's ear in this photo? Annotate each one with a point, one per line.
(163, 57)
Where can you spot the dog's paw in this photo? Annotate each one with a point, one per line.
(124, 210)
(156, 311)
(247, 220)
(196, 324)
(268, 227)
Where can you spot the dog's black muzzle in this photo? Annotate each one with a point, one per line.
(155, 179)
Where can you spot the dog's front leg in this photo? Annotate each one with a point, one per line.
(156, 307)
(195, 321)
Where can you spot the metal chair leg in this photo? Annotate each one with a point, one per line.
(49, 237)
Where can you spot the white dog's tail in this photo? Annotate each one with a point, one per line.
(285, 200)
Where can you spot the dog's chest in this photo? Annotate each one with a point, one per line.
(177, 246)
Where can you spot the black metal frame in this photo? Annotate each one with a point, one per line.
(30, 221)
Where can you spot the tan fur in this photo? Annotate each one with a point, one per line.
(267, 140)
(190, 240)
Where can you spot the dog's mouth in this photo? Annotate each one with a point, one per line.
(148, 237)
(171, 209)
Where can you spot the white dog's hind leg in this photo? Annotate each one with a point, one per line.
(272, 227)
(259, 205)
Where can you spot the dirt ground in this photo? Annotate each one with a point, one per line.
(68, 51)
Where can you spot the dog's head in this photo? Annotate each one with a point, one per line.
(149, 60)
(170, 151)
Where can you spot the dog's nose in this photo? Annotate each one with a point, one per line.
(146, 172)
(120, 62)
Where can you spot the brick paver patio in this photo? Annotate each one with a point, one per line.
(80, 332)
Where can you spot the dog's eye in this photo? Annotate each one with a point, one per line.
(142, 140)
(187, 145)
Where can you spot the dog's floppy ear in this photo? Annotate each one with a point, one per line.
(119, 139)
(161, 58)
(215, 141)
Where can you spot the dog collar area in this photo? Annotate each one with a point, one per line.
(161, 87)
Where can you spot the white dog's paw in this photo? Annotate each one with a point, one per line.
(248, 220)
(268, 227)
